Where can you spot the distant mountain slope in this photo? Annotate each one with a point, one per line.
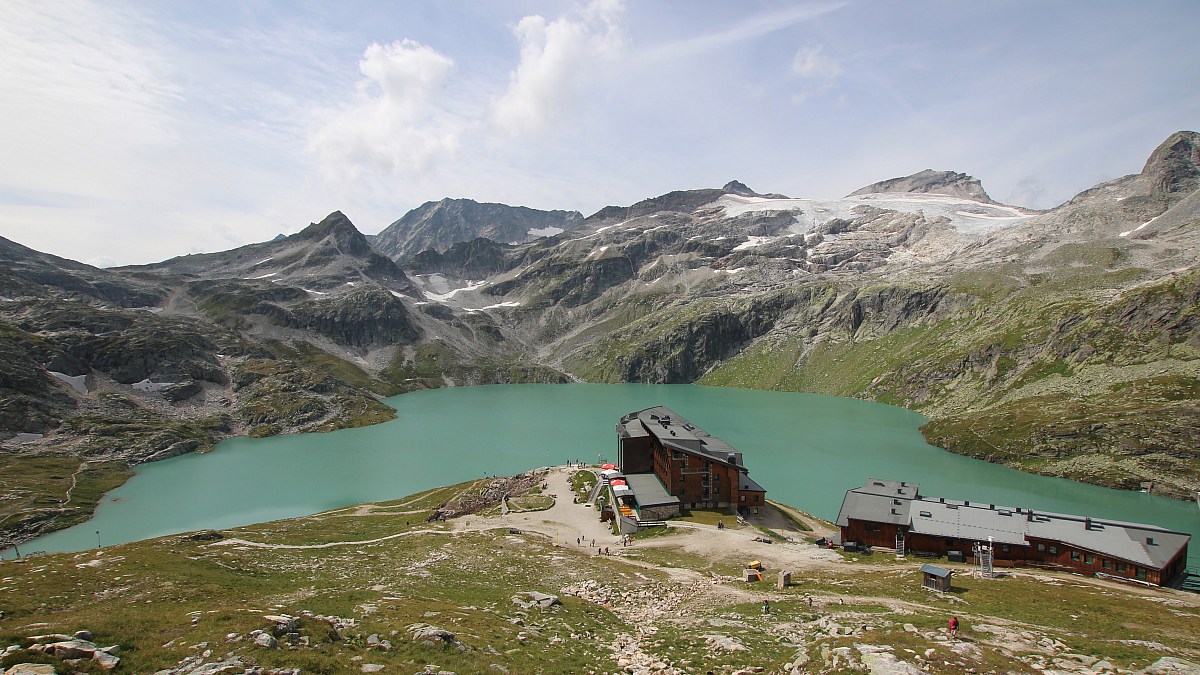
(24, 271)
(931, 182)
(1063, 341)
(439, 225)
(329, 256)
(679, 201)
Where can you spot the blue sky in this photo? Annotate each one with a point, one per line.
(137, 131)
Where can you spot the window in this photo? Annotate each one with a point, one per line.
(1041, 548)
(1089, 559)
(1141, 573)
(872, 527)
(743, 497)
(1004, 547)
(1053, 550)
(1075, 556)
(1106, 564)
(926, 514)
(1120, 568)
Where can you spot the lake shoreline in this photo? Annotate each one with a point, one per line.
(399, 403)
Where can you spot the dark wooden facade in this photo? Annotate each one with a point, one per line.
(695, 476)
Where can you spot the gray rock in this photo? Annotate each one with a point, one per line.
(230, 666)
(72, 649)
(83, 635)
(529, 599)
(423, 632)
(105, 660)
(1170, 665)
(283, 624)
(266, 640)
(31, 669)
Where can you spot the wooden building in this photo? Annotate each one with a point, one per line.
(702, 471)
(894, 515)
(937, 578)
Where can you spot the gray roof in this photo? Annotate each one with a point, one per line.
(673, 431)
(1146, 545)
(629, 427)
(649, 490)
(935, 570)
(880, 501)
(745, 482)
(947, 518)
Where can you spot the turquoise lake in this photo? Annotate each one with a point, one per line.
(805, 449)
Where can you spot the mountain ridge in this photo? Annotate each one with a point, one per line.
(1023, 329)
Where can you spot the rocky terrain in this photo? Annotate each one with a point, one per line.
(387, 588)
(1063, 342)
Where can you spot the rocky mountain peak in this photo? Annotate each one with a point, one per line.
(1174, 166)
(343, 233)
(931, 182)
(737, 187)
(439, 225)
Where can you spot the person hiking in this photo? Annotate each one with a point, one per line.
(953, 627)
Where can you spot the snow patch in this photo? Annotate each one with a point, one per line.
(25, 437)
(398, 294)
(78, 382)
(736, 270)
(510, 303)
(966, 215)
(147, 385)
(754, 242)
(544, 232)
(264, 260)
(313, 292)
(267, 276)
(438, 288)
(1139, 228)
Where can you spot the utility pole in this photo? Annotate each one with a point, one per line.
(97, 538)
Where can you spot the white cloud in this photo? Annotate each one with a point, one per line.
(90, 96)
(752, 27)
(558, 58)
(818, 70)
(396, 121)
(813, 63)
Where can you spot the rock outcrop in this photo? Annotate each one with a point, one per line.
(929, 181)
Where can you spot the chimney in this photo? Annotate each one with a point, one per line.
(1150, 541)
(1087, 523)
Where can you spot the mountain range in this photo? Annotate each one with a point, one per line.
(1062, 342)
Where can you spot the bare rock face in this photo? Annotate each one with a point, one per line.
(1174, 166)
(439, 225)
(931, 182)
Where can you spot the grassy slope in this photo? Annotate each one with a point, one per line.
(167, 599)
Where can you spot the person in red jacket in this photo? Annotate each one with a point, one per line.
(953, 627)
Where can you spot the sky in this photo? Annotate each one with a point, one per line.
(135, 131)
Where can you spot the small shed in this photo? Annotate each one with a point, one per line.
(936, 578)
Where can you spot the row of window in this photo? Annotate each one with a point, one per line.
(1090, 559)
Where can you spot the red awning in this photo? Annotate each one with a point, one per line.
(608, 466)
(617, 481)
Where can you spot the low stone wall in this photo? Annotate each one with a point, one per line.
(662, 512)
